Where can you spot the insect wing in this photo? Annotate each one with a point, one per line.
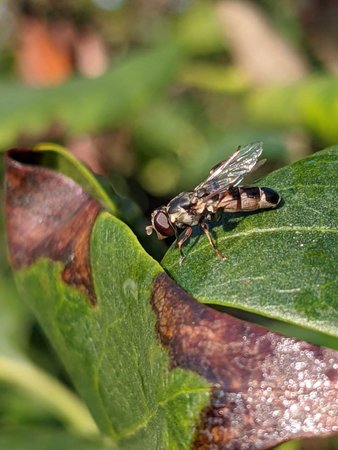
(232, 171)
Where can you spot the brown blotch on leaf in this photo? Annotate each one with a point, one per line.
(265, 388)
(48, 215)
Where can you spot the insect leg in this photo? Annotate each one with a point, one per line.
(181, 241)
(205, 228)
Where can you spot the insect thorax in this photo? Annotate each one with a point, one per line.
(179, 210)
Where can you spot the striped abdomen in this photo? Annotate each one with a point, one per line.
(248, 199)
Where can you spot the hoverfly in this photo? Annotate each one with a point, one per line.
(219, 192)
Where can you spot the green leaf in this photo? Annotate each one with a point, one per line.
(51, 395)
(151, 362)
(280, 263)
(14, 319)
(126, 382)
(199, 30)
(54, 439)
(310, 103)
(215, 78)
(97, 313)
(89, 105)
(41, 389)
(44, 439)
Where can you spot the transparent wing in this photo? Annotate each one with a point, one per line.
(231, 172)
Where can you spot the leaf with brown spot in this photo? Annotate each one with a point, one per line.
(88, 281)
(157, 369)
(55, 226)
(267, 388)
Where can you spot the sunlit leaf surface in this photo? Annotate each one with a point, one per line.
(157, 369)
(95, 308)
(280, 263)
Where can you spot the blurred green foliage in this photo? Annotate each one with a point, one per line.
(175, 91)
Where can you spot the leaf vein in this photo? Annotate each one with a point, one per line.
(268, 230)
(143, 423)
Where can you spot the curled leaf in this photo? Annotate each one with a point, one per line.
(55, 226)
(267, 388)
(156, 368)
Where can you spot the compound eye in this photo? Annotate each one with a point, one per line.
(162, 225)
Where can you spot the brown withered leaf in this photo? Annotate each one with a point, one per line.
(48, 215)
(267, 388)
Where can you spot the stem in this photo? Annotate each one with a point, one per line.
(54, 395)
